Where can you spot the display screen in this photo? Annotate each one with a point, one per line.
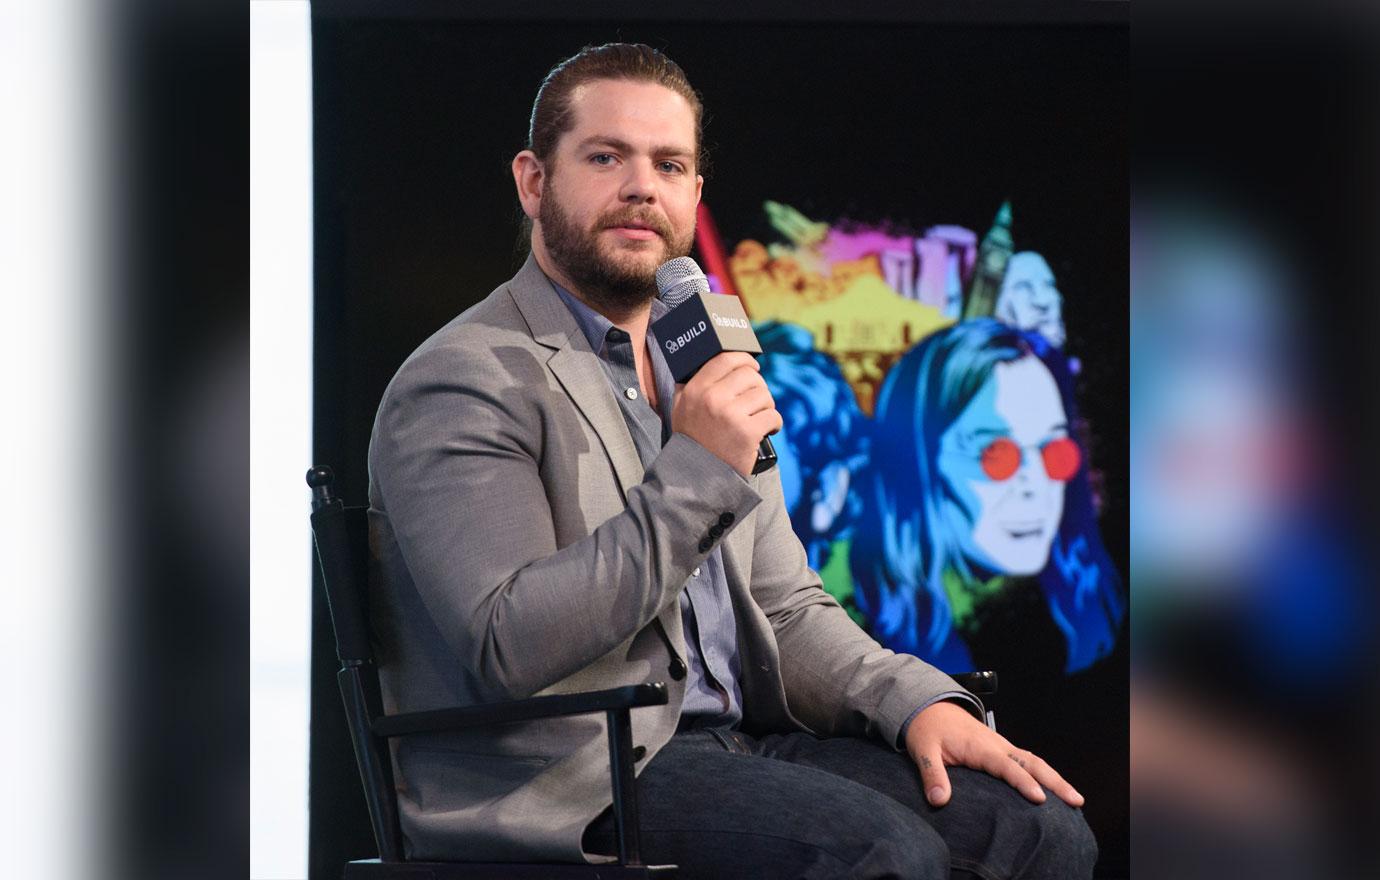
(933, 459)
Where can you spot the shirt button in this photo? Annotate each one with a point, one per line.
(696, 572)
(631, 393)
(726, 519)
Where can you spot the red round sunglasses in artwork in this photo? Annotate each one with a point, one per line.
(1002, 458)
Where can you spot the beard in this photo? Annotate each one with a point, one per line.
(608, 283)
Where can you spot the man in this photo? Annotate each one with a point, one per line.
(540, 528)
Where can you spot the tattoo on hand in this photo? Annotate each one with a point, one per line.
(1020, 763)
(925, 762)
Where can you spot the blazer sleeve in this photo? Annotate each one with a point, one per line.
(455, 463)
(838, 680)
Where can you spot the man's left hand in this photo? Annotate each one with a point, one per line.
(946, 734)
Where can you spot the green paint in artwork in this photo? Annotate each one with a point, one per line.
(838, 580)
(965, 596)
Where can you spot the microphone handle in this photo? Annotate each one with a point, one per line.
(766, 456)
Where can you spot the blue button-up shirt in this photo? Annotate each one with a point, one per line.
(712, 694)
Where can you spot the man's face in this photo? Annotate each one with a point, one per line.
(1014, 513)
(619, 195)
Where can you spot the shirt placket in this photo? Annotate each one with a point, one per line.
(649, 436)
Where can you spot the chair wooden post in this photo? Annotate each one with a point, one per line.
(358, 683)
(624, 787)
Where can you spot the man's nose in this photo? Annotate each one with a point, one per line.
(639, 185)
(1029, 473)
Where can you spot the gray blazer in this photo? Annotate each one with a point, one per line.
(522, 550)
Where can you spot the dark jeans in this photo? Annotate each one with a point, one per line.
(722, 804)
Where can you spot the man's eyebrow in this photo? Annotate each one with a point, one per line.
(984, 433)
(600, 140)
(981, 433)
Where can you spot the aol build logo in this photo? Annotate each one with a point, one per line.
(675, 345)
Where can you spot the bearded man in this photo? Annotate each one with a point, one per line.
(551, 514)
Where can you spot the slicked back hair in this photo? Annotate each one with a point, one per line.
(553, 116)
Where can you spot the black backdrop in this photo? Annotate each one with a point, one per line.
(919, 117)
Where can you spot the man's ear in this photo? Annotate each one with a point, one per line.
(528, 176)
(699, 187)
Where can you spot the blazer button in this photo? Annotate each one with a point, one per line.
(716, 530)
(705, 544)
(639, 752)
(726, 519)
(677, 668)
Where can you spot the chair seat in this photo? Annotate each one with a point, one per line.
(373, 869)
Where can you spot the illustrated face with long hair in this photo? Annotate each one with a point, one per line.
(1006, 459)
(821, 442)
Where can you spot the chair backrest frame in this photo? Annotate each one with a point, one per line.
(342, 548)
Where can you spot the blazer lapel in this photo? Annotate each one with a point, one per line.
(577, 368)
(587, 384)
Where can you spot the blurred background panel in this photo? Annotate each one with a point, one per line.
(1252, 429)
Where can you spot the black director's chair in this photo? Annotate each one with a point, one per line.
(342, 546)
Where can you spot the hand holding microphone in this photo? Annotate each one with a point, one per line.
(725, 405)
(727, 409)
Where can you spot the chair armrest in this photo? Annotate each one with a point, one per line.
(980, 684)
(555, 705)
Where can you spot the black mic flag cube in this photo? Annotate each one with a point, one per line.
(701, 327)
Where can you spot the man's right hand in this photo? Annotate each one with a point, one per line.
(727, 409)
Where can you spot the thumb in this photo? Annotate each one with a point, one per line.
(934, 778)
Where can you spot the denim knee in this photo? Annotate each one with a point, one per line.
(904, 846)
(1063, 845)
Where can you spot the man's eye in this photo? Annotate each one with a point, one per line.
(671, 167)
(601, 159)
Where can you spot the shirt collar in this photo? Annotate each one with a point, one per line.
(593, 325)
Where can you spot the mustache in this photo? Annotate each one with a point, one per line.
(650, 221)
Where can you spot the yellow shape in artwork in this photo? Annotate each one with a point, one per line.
(852, 313)
(869, 317)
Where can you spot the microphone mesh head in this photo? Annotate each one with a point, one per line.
(679, 279)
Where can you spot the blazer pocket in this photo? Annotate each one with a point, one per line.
(447, 780)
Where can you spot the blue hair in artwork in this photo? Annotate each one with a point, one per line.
(914, 539)
(823, 437)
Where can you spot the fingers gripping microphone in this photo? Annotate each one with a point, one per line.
(699, 326)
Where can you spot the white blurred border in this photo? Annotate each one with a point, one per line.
(280, 434)
(50, 357)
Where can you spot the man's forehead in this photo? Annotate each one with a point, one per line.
(624, 108)
(1027, 396)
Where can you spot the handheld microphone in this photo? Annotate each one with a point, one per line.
(699, 326)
